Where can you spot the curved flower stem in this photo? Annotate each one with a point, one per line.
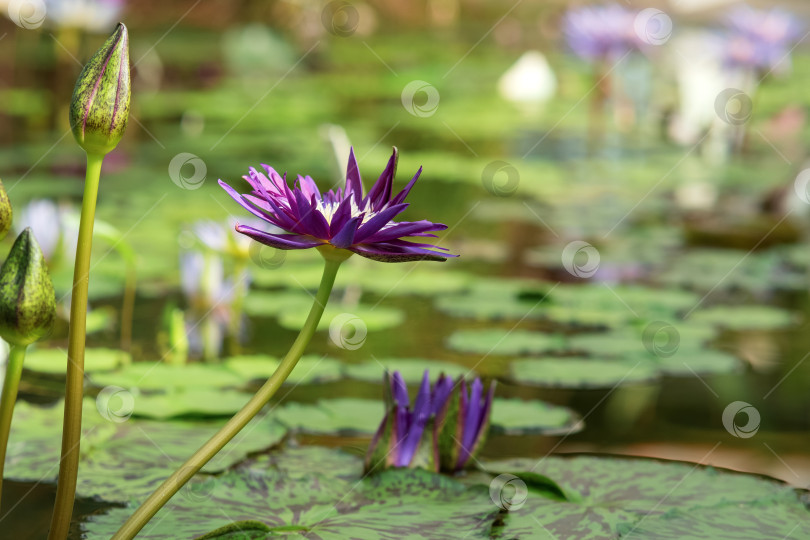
(74, 385)
(7, 400)
(172, 484)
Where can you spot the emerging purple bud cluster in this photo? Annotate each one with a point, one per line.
(443, 430)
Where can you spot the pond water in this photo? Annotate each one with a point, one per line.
(690, 307)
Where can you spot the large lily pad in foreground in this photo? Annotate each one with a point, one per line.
(321, 493)
(125, 458)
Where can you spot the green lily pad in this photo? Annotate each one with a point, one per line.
(162, 376)
(333, 415)
(205, 402)
(699, 362)
(516, 417)
(124, 459)
(363, 416)
(614, 497)
(744, 317)
(403, 503)
(574, 372)
(779, 517)
(310, 368)
(398, 279)
(54, 361)
(505, 342)
(272, 303)
(321, 493)
(411, 369)
(371, 317)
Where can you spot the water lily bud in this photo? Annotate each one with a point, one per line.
(27, 300)
(462, 425)
(5, 212)
(99, 109)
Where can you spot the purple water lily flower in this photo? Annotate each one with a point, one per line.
(601, 32)
(401, 433)
(343, 219)
(462, 425)
(761, 39)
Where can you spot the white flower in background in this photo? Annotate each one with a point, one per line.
(530, 80)
(91, 15)
(44, 218)
(209, 297)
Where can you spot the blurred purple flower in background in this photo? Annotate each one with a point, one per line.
(601, 32)
(761, 39)
(343, 219)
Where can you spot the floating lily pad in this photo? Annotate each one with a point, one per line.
(333, 415)
(206, 402)
(505, 342)
(310, 368)
(516, 417)
(724, 270)
(582, 372)
(126, 458)
(371, 317)
(744, 317)
(162, 376)
(699, 362)
(54, 361)
(389, 280)
(363, 416)
(779, 517)
(272, 303)
(322, 493)
(411, 369)
(404, 503)
(612, 497)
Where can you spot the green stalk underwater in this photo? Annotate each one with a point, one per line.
(171, 485)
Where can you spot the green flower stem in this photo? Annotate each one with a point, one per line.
(7, 400)
(74, 385)
(172, 484)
